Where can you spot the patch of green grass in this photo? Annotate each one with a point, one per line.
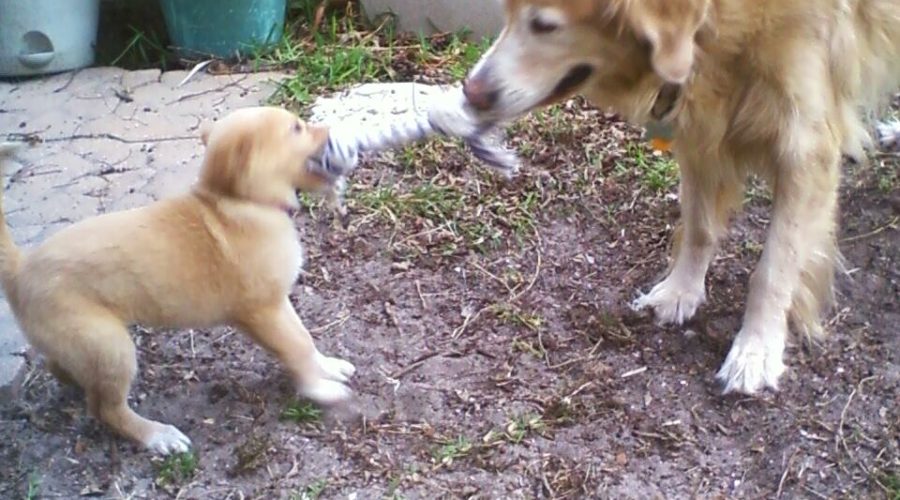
(528, 348)
(887, 177)
(144, 49)
(517, 317)
(552, 122)
(336, 56)
(177, 468)
(32, 489)
(464, 55)
(251, 454)
(453, 450)
(657, 173)
(430, 201)
(479, 219)
(516, 430)
(521, 426)
(751, 247)
(312, 491)
(301, 412)
(891, 482)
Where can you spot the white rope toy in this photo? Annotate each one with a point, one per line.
(450, 118)
(889, 135)
(340, 155)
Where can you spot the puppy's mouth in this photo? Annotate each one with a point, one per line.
(574, 79)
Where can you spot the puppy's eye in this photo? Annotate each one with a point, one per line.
(542, 26)
(298, 127)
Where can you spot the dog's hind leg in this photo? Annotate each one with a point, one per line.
(794, 275)
(100, 356)
(707, 198)
(279, 330)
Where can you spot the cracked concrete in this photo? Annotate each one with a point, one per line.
(108, 139)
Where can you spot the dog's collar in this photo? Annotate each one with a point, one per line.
(660, 129)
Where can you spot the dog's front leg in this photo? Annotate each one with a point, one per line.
(707, 196)
(794, 275)
(279, 330)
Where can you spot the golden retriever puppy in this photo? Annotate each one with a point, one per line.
(225, 253)
(770, 87)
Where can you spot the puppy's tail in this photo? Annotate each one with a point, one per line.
(10, 254)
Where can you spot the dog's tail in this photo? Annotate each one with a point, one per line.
(10, 254)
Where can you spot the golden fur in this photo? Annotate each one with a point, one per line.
(774, 88)
(225, 253)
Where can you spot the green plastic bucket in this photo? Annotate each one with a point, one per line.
(223, 28)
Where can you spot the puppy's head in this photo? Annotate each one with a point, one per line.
(618, 53)
(260, 154)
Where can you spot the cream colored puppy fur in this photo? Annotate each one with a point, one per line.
(225, 253)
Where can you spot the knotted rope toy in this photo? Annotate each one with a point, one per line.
(450, 118)
(889, 135)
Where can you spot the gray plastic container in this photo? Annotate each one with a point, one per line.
(47, 36)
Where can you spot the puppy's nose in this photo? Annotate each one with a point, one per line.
(479, 93)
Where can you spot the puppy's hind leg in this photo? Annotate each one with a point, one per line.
(279, 330)
(60, 373)
(102, 359)
(707, 198)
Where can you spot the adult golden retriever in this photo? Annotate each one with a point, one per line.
(224, 253)
(778, 88)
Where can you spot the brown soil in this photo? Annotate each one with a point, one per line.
(498, 357)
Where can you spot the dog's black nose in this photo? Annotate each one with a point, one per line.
(479, 94)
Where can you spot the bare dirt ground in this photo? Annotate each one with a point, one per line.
(497, 354)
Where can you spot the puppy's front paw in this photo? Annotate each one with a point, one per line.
(335, 368)
(325, 392)
(167, 439)
(754, 362)
(673, 302)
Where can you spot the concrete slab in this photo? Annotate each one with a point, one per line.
(482, 18)
(113, 139)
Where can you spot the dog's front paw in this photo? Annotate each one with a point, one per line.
(889, 135)
(167, 439)
(335, 368)
(673, 302)
(754, 362)
(325, 391)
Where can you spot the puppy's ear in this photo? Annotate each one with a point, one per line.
(226, 167)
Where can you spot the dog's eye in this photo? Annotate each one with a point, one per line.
(541, 26)
(298, 127)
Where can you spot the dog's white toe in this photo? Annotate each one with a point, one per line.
(672, 302)
(335, 368)
(326, 392)
(754, 363)
(168, 439)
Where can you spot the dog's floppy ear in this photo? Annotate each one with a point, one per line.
(673, 56)
(670, 27)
